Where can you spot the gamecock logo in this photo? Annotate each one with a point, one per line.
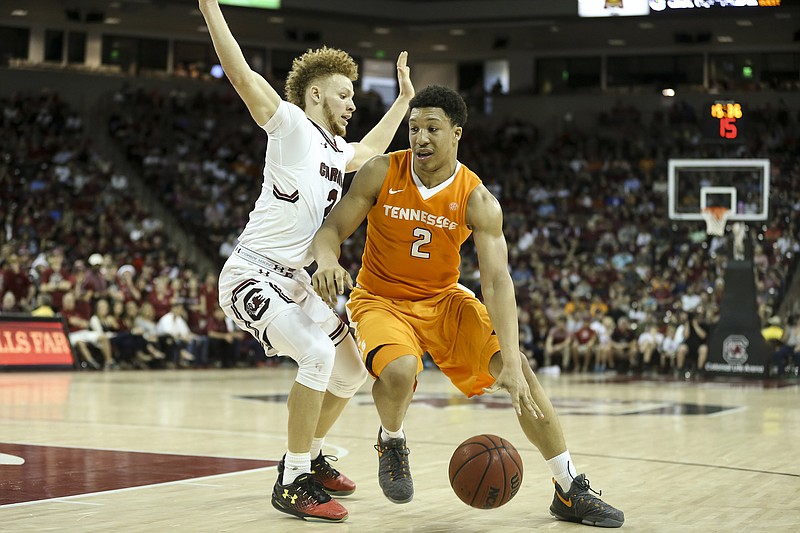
(734, 349)
(256, 304)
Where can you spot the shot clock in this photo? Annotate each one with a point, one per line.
(726, 119)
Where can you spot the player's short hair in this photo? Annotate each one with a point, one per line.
(445, 99)
(315, 65)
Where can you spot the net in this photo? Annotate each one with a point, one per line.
(716, 218)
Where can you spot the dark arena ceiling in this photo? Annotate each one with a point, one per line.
(433, 30)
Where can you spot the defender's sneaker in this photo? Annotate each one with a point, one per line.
(394, 473)
(305, 498)
(334, 482)
(580, 505)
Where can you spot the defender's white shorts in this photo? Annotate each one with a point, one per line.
(253, 295)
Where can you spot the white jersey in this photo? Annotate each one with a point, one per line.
(304, 170)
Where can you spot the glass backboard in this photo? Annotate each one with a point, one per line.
(741, 185)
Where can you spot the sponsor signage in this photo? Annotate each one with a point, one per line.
(34, 341)
(674, 5)
(636, 8)
(735, 357)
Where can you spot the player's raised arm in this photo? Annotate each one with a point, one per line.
(377, 140)
(259, 96)
(331, 278)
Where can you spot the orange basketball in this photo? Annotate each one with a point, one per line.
(485, 471)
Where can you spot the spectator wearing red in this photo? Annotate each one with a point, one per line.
(94, 284)
(15, 279)
(558, 342)
(584, 341)
(126, 284)
(55, 278)
(193, 299)
(210, 293)
(160, 297)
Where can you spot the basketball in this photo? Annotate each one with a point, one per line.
(485, 471)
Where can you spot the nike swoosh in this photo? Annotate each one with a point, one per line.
(567, 502)
(392, 191)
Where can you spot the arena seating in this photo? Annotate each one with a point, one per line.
(585, 209)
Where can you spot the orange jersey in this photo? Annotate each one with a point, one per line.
(414, 234)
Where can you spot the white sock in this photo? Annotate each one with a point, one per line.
(386, 434)
(563, 470)
(295, 464)
(316, 447)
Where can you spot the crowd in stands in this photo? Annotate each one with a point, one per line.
(204, 155)
(78, 243)
(604, 279)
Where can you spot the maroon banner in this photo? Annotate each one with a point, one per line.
(34, 341)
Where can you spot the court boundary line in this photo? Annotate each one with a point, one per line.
(66, 499)
(686, 463)
(340, 450)
(127, 450)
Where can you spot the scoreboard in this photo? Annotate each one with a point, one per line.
(725, 120)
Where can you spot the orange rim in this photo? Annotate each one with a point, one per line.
(716, 211)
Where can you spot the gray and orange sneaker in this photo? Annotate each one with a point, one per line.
(334, 482)
(305, 498)
(580, 505)
(394, 472)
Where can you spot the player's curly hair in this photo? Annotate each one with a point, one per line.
(315, 65)
(445, 99)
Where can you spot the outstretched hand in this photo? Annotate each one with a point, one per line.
(513, 381)
(404, 76)
(331, 281)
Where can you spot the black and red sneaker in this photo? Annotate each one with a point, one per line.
(305, 498)
(334, 482)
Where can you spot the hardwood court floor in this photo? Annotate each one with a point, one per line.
(196, 451)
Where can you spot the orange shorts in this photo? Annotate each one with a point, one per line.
(453, 327)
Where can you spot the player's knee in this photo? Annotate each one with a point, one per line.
(347, 384)
(400, 373)
(315, 366)
(349, 373)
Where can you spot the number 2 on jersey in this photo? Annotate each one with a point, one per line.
(332, 196)
(423, 237)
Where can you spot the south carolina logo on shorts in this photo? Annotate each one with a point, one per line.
(256, 304)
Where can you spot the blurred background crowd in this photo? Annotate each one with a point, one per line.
(605, 280)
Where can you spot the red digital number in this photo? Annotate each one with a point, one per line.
(727, 128)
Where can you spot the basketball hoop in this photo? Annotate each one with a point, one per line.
(716, 218)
